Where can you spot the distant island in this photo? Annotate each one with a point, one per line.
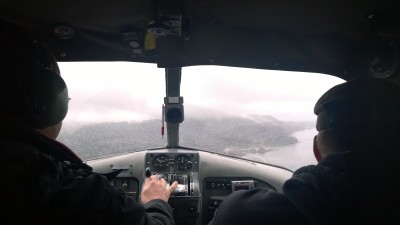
(235, 136)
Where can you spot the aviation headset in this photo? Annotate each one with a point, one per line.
(359, 104)
(44, 92)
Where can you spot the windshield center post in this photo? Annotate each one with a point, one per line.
(174, 114)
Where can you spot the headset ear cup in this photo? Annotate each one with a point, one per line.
(48, 99)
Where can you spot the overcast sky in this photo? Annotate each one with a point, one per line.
(121, 91)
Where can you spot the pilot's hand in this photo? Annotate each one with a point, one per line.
(155, 188)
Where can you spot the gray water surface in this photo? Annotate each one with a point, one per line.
(290, 156)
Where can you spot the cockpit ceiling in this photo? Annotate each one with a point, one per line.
(341, 38)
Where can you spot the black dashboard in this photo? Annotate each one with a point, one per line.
(204, 179)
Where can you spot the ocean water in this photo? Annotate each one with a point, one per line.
(290, 156)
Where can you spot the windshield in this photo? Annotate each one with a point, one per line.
(261, 115)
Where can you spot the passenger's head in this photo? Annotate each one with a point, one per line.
(359, 115)
(32, 90)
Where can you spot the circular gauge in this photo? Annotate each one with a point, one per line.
(161, 163)
(182, 162)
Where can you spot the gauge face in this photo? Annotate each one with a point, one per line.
(182, 163)
(161, 163)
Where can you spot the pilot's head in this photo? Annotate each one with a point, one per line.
(32, 91)
(359, 115)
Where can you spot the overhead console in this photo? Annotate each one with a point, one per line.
(181, 166)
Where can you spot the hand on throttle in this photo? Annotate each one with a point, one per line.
(155, 188)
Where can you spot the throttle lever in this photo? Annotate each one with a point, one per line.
(147, 172)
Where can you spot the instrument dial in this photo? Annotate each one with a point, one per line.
(182, 162)
(161, 163)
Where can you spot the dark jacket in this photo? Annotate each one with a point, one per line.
(43, 182)
(344, 188)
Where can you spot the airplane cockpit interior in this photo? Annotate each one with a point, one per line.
(163, 53)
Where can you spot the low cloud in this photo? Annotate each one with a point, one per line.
(215, 92)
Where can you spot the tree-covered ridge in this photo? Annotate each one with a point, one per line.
(235, 136)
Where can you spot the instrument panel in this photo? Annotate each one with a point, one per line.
(204, 179)
(181, 166)
(178, 162)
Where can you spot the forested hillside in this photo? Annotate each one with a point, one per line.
(234, 136)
